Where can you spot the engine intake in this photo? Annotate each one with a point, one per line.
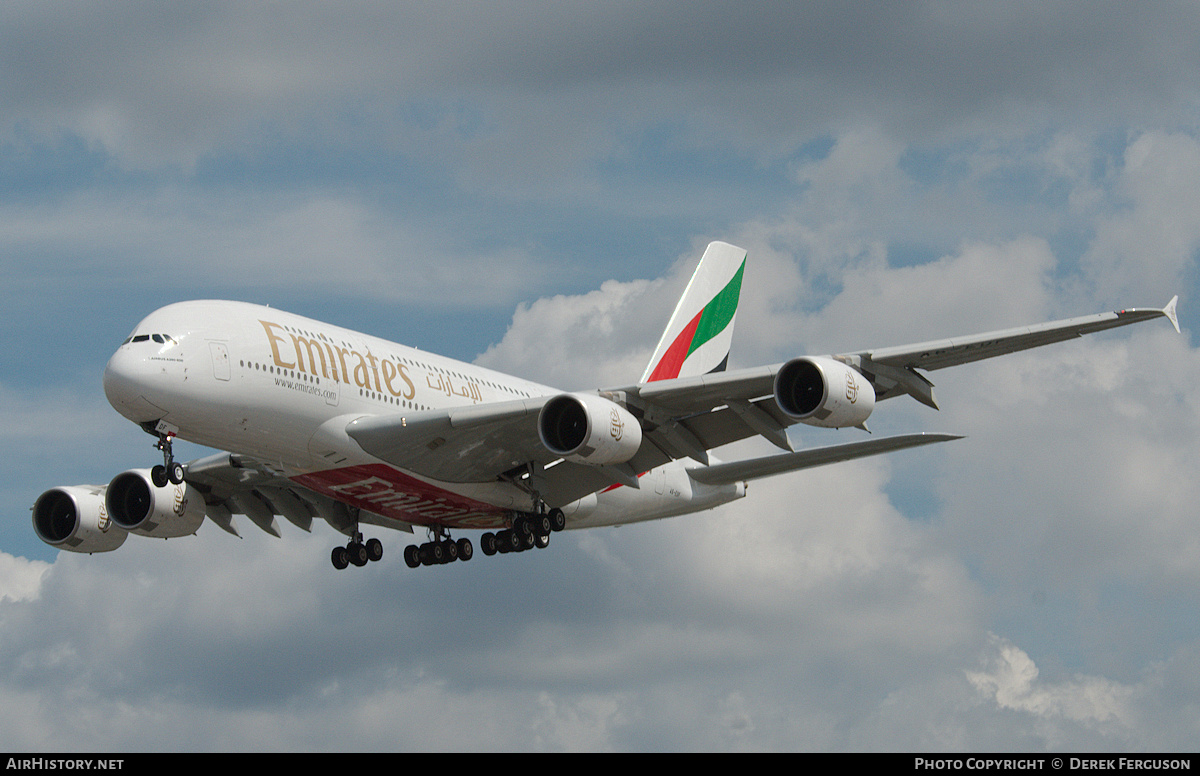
(823, 392)
(586, 428)
(74, 518)
(140, 507)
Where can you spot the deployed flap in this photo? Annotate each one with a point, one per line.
(755, 468)
(239, 485)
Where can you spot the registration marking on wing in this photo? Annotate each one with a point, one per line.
(380, 489)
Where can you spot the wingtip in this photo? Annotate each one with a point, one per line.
(1169, 311)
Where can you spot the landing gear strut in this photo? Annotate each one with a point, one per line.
(170, 470)
(357, 552)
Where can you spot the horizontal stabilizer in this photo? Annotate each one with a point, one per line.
(755, 468)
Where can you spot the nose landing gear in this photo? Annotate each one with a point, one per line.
(170, 471)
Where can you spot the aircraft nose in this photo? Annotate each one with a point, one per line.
(127, 379)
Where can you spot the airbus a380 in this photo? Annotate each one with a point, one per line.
(323, 422)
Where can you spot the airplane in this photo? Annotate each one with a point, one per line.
(322, 422)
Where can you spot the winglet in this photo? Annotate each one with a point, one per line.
(1169, 311)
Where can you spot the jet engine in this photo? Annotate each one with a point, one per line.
(823, 392)
(586, 428)
(74, 518)
(139, 506)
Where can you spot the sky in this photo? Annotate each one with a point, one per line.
(528, 186)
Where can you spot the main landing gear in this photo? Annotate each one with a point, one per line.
(438, 550)
(357, 552)
(528, 531)
(170, 470)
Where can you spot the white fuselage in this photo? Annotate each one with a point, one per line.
(281, 389)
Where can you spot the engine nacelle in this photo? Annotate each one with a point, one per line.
(138, 506)
(823, 392)
(74, 518)
(586, 428)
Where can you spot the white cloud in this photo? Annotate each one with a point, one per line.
(20, 578)
(1146, 248)
(1011, 680)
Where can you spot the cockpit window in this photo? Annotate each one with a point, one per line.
(162, 339)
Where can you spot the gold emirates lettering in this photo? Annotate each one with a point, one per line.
(310, 357)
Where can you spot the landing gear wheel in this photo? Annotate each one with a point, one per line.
(340, 558)
(175, 473)
(541, 525)
(374, 549)
(432, 553)
(541, 541)
(412, 556)
(487, 543)
(465, 550)
(358, 553)
(558, 520)
(158, 475)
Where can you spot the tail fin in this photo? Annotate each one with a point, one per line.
(700, 331)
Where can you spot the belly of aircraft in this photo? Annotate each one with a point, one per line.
(383, 490)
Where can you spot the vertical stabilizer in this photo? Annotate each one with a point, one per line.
(700, 331)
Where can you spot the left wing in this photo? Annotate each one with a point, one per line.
(688, 416)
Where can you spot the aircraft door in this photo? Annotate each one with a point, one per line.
(220, 359)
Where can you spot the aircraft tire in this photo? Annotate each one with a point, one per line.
(374, 549)
(412, 556)
(465, 550)
(558, 520)
(487, 543)
(340, 558)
